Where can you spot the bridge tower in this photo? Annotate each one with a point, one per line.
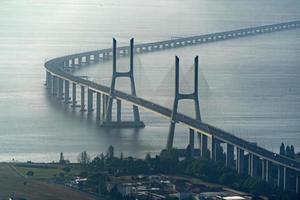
(192, 96)
(107, 122)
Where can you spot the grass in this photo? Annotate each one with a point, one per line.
(12, 185)
(45, 173)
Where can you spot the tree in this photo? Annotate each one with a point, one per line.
(288, 151)
(110, 152)
(30, 173)
(148, 157)
(282, 149)
(292, 152)
(84, 158)
(61, 158)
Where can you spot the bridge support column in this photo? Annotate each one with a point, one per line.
(280, 176)
(268, 171)
(230, 156)
(54, 85)
(136, 123)
(215, 152)
(118, 110)
(203, 149)
(192, 141)
(98, 107)
(88, 59)
(79, 61)
(60, 88)
(48, 81)
(240, 161)
(96, 58)
(82, 99)
(90, 101)
(297, 183)
(178, 96)
(104, 105)
(67, 91)
(252, 165)
(74, 95)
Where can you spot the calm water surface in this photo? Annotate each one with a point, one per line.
(249, 86)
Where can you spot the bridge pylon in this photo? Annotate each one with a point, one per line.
(107, 122)
(179, 96)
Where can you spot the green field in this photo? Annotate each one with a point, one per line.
(14, 184)
(46, 173)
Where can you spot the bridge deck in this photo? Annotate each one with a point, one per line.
(56, 65)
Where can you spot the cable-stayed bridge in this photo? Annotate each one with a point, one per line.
(244, 156)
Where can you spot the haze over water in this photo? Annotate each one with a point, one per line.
(249, 86)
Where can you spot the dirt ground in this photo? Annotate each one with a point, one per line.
(13, 184)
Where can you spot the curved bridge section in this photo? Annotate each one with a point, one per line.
(245, 157)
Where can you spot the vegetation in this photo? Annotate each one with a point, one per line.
(13, 184)
(168, 163)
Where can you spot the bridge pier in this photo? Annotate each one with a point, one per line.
(230, 156)
(178, 96)
(90, 101)
(48, 80)
(192, 141)
(82, 99)
(60, 89)
(104, 99)
(118, 110)
(79, 61)
(67, 91)
(216, 150)
(74, 95)
(98, 107)
(204, 152)
(88, 59)
(107, 122)
(297, 189)
(240, 160)
(54, 85)
(252, 165)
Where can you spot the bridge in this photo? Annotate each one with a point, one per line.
(244, 156)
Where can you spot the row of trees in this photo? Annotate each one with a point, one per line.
(287, 151)
(168, 162)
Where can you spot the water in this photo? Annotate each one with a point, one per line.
(249, 86)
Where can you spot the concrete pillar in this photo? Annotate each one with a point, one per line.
(297, 182)
(98, 106)
(240, 161)
(192, 141)
(204, 149)
(230, 156)
(60, 88)
(279, 176)
(285, 184)
(104, 106)
(67, 92)
(96, 57)
(82, 99)
(213, 152)
(215, 149)
(90, 101)
(253, 165)
(74, 95)
(88, 59)
(118, 110)
(54, 85)
(79, 61)
(48, 80)
(268, 171)
(66, 63)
